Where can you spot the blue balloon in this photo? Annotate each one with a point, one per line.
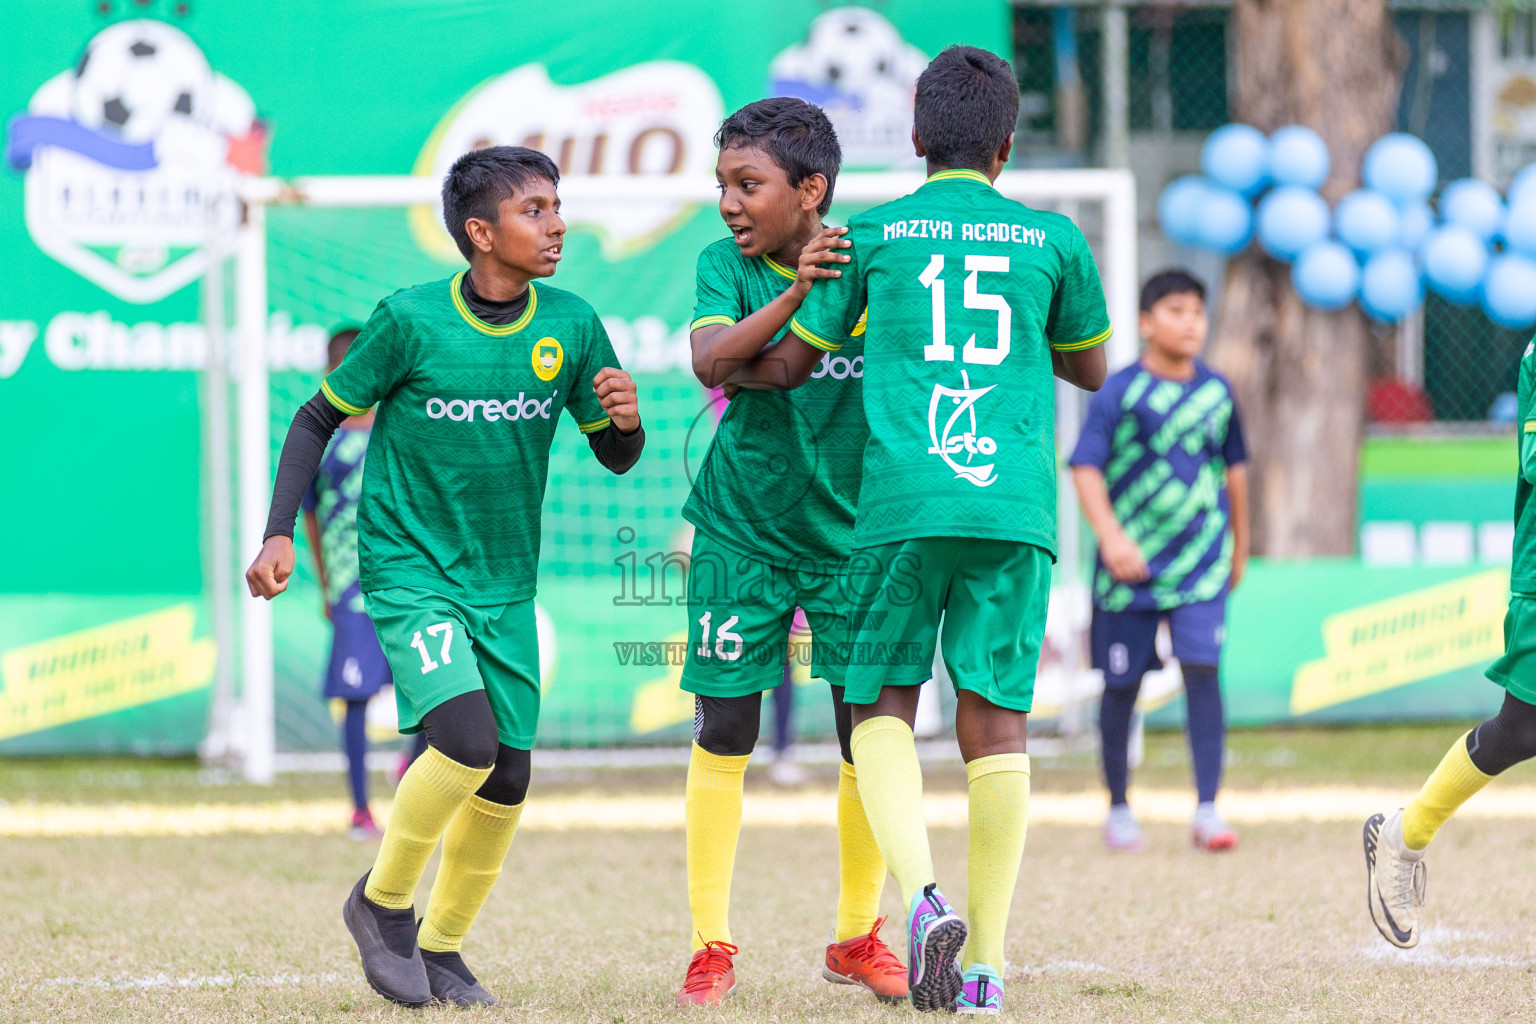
(1520, 225)
(1390, 286)
(1290, 219)
(1367, 221)
(1402, 166)
(1237, 156)
(1454, 262)
(1298, 156)
(1474, 205)
(1226, 220)
(1509, 291)
(1524, 181)
(1326, 275)
(1179, 207)
(1416, 221)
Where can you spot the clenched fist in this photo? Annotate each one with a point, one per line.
(268, 575)
(616, 392)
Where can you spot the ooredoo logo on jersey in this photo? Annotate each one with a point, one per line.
(491, 410)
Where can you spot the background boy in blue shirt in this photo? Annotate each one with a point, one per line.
(357, 668)
(1160, 471)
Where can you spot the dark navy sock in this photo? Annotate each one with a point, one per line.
(354, 740)
(1207, 727)
(783, 713)
(1115, 712)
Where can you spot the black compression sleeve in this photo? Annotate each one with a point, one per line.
(615, 449)
(303, 448)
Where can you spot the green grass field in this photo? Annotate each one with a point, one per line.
(590, 924)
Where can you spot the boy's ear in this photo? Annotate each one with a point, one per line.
(917, 143)
(1005, 150)
(812, 190)
(479, 232)
(1144, 323)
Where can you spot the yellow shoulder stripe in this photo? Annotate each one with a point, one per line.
(1530, 426)
(711, 320)
(594, 426)
(336, 400)
(1078, 346)
(811, 338)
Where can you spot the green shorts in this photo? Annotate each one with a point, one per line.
(439, 648)
(740, 614)
(1516, 668)
(992, 595)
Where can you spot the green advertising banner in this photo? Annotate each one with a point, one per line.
(123, 121)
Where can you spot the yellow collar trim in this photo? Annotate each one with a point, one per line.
(959, 172)
(778, 268)
(495, 330)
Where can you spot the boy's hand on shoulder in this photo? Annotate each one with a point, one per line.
(616, 393)
(826, 247)
(268, 575)
(1123, 558)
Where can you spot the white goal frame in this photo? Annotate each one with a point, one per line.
(250, 718)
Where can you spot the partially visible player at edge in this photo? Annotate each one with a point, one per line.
(1395, 845)
(772, 509)
(974, 301)
(1160, 468)
(470, 375)
(357, 668)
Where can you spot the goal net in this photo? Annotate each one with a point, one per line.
(313, 254)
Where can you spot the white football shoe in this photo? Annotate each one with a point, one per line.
(1395, 880)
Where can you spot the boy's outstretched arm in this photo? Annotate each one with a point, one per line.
(1084, 368)
(728, 352)
(1118, 551)
(303, 448)
(312, 531)
(1237, 493)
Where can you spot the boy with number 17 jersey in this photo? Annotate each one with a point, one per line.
(973, 300)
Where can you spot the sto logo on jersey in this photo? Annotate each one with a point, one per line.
(954, 440)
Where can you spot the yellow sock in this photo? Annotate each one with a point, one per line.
(861, 869)
(999, 817)
(474, 848)
(891, 787)
(431, 792)
(1451, 785)
(712, 810)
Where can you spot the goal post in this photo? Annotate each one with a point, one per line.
(1109, 193)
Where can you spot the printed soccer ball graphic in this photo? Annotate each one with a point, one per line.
(137, 77)
(854, 51)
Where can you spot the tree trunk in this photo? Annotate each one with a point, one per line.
(1300, 374)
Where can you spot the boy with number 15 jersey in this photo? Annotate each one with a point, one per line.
(973, 301)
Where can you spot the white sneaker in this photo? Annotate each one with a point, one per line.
(1122, 832)
(1395, 880)
(1209, 832)
(786, 773)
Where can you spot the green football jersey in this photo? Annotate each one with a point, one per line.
(967, 293)
(1522, 569)
(459, 454)
(782, 473)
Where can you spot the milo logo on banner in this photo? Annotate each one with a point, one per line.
(123, 154)
(654, 118)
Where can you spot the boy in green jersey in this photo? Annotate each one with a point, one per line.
(470, 376)
(973, 301)
(1395, 844)
(772, 508)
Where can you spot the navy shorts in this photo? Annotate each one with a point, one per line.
(358, 667)
(1125, 643)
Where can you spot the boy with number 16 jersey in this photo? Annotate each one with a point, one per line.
(973, 300)
(772, 508)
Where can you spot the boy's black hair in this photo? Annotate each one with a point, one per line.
(795, 134)
(341, 338)
(479, 180)
(966, 106)
(1170, 282)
